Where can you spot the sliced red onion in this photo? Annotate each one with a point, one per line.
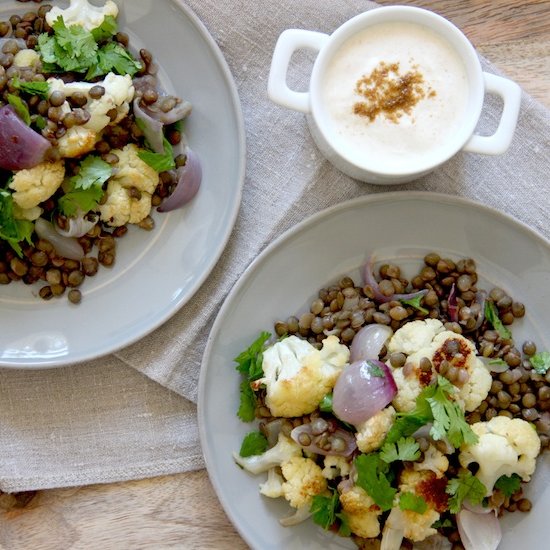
(152, 128)
(305, 434)
(189, 180)
(477, 508)
(452, 305)
(370, 280)
(181, 110)
(369, 341)
(478, 531)
(77, 227)
(20, 146)
(302, 513)
(363, 389)
(66, 247)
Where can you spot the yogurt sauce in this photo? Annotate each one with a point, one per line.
(403, 137)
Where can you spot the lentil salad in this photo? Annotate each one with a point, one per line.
(444, 291)
(112, 142)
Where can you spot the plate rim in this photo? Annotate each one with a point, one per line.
(272, 247)
(233, 96)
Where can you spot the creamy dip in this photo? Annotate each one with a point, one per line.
(395, 93)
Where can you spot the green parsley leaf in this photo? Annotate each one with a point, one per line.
(254, 443)
(372, 477)
(41, 89)
(464, 487)
(249, 361)
(12, 230)
(540, 362)
(375, 370)
(247, 402)
(326, 403)
(39, 121)
(160, 162)
(508, 485)
(20, 108)
(444, 523)
(106, 30)
(410, 501)
(491, 313)
(405, 449)
(415, 302)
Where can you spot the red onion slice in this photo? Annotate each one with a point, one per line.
(494, 365)
(369, 341)
(370, 280)
(363, 389)
(304, 433)
(20, 146)
(189, 180)
(478, 531)
(66, 247)
(152, 128)
(452, 305)
(77, 227)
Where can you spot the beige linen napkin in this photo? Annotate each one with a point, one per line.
(105, 421)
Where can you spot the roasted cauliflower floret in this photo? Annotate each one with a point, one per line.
(34, 185)
(26, 58)
(29, 214)
(434, 460)
(303, 480)
(273, 485)
(505, 446)
(446, 352)
(81, 12)
(336, 466)
(130, 171)
(371, 433)
(121, 208)
(283, 451)
(297, 375)
(129, 190)
(119, 92)
(414, 336)
(410, 524)
(361, 511)
(77, 141)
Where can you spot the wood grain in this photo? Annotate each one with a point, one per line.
(182, 511)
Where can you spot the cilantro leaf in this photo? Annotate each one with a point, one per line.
(247, 403)
(113, 57)
(254, 443)
(540, 362)
(372, 477)
(41, 89)
(160, 162)
(324, 512)
(249, 361)
(491, 313)
(404, 449)
(464, 487)
(376, 371)
(415, 302)
(106, 30)
(410, 501)
(93, 172)
(73, 49)
(323, 509)
(85, 189)
(448, 418)
(12, 230)
(508, 485)
(326, 403)
(20, 108)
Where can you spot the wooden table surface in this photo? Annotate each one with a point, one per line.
(182, 511)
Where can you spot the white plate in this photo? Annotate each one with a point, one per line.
(283, 280)
(158, 272)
